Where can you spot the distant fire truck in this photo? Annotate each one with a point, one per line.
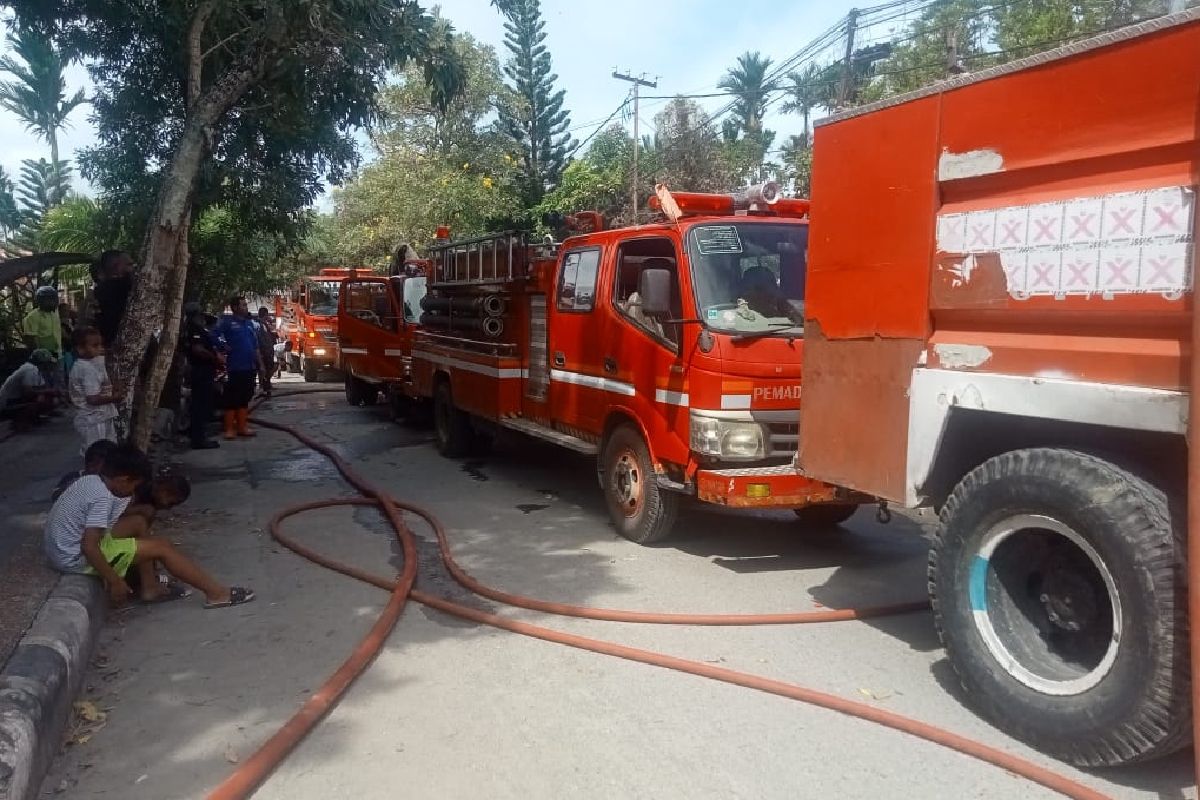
(307, 317)
(672, 352)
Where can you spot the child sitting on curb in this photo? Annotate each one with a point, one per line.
(78, 536)
(93, 462)
(159, 494)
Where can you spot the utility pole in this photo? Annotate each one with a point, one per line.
(847, 82)
(637, 83)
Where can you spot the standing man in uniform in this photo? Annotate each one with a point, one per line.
(42, 329)
(243, 363)
(203, 362)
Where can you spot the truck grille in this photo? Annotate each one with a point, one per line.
(784, 438)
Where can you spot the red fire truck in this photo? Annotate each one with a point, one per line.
(307, 316)
(671, 352)
(1000, 325)
(377, 318)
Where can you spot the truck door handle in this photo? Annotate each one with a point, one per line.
(610, 365)
(560, 360)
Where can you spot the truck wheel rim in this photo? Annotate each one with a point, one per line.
(1045, 604)
(627, 483)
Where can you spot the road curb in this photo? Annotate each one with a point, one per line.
(41, 680)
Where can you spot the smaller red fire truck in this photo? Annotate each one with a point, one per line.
(307, 316)
(377, 318)
(671, 352)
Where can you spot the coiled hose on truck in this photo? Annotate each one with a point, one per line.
(259, 766)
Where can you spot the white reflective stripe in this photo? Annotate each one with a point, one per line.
(360, 351)
(593, 382)
(470, 366)
(671, 398)
(735, 401)
(934, 393)
(391, 352)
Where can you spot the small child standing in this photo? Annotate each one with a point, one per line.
(91, 391)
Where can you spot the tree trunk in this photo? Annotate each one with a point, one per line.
(157, 296)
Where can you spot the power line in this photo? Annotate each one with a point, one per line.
(601, 126)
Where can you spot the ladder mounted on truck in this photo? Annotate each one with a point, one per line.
(495, 258)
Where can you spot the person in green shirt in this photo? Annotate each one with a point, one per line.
(42, 326)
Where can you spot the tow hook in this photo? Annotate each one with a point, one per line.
(883, 514)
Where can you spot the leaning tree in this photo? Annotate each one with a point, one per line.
(249, 104)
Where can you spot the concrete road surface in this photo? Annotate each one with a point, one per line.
(452, 710)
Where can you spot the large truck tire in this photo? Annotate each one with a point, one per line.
(359, 392)
(641, 511)
(310, 370)
(452, 430)
(825, 515)
(1058, 589)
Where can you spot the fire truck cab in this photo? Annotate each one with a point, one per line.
(377, 318)
(307, 317)
(671, 352)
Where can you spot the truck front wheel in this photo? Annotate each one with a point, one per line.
(310, 370)
(641, 511)
(1057, 581)
(452, 430)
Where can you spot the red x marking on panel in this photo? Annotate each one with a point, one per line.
(1163, 267)
(978, 234)
(1083, 225)
(1166, 219)
(1012, 231)
(1123, 220)
(1042, 274)
(1119, 271)
(1044, 229)
(1079, 276)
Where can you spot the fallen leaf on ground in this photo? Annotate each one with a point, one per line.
(231, 755)
(876, 695)
(88, 711)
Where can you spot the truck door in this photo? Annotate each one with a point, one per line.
(641, 352)
(368, 329)
(577, 382)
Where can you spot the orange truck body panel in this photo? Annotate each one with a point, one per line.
(377, 320)
(1025, 234)
(576, 373)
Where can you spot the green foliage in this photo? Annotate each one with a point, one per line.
(435, 166)
(598, 181)
(41, 187)
(747, 142)
(38, 94)
(535, 118)
(688, 154)
(10, 215)
(232, 256)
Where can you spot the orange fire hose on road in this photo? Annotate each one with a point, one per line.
(256, 769)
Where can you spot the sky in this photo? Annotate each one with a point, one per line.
(686, 45)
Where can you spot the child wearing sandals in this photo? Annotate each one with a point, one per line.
(79, 537)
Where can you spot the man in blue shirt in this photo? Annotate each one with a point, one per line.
(242, 363)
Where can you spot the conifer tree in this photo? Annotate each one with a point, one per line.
(537, 122)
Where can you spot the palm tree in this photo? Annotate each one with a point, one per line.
(750, 86)
(38, 93)
(808, 91)
(10, 215)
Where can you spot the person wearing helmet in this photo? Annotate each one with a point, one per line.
(42, 327)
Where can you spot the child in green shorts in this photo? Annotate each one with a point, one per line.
(78, 536)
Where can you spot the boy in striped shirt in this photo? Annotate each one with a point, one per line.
(78, 536)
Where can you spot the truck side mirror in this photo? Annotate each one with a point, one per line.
(654, 289)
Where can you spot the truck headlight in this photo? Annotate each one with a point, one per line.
(725, 438)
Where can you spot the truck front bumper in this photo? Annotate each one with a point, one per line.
(766, 487)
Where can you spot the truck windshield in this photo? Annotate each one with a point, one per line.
(323, 297)
(749, 276)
